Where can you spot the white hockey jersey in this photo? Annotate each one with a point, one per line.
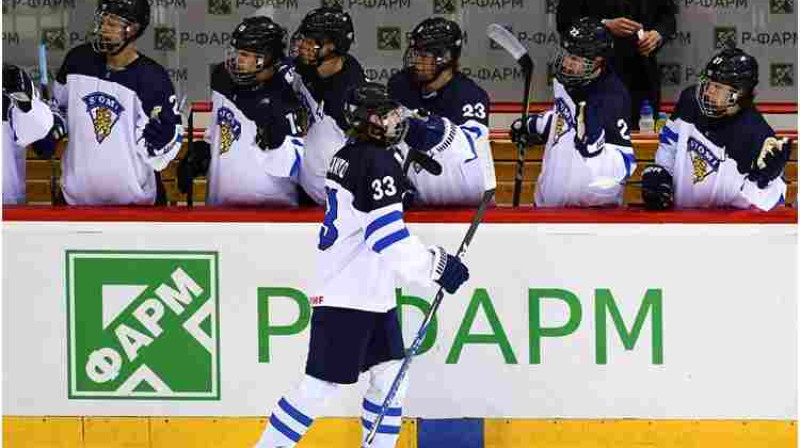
(240, 172)
(363, 240)
(464, 153)
(106, 160)
(593, 175)
(709, 159)
(323, 99)
(20, 129)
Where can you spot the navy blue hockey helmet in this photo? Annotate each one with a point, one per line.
(372, 114)
(329, 23)
(435, 45)
(123, 21)
(585, 47)
(264, 39)
(727, 81)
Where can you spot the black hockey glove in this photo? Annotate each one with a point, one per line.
(194, 163)
(526, 135)
(18, 86)
(158, 134)
(46, 147)
(657, 188)
(449, 271)
(770, 162)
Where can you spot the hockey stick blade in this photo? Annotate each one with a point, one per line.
(427, 162)
(511, 44)
(423, 329)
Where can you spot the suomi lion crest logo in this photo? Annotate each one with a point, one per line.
(105, 111)
(564, 121)
(229, 128)
(704, 161)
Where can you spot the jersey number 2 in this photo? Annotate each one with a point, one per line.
(328, 233)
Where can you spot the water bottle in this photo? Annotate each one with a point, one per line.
(661, 121)
(646, 122)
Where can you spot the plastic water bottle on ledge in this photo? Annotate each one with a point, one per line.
(647, 123)
(660, 122)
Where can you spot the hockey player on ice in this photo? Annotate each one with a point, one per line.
(716, 150)
(121, 112)
(588, 154)
(363, 243)
(455, 132)
(256, 147)
(326, 72)
(26, 119)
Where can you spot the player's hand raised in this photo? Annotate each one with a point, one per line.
(449, 271)
(770, 162)
(18, 86)
(158, 133)
(622, 26)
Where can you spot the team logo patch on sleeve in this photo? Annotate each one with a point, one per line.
(704, 161)
(565, 121)
(105, 111)
(229, 128)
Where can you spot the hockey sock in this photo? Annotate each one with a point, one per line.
(381, 378)
(295, 413)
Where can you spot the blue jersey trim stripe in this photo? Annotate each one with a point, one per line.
(296, 165)
(295, 413)
(387, 241)
(382, 221)
(382, 429)
(375, 409)
(667, 136)
(283, 429)
(471, 143)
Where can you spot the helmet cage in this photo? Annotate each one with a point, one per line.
(573, 70)
(106, 45)
(244, 76)
(717, 99)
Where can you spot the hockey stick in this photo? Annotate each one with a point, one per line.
(44, 89)
(189, 144)
(423, 329)
(505, 39)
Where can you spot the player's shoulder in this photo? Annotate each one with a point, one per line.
(614, 93)
(79, 60)
(359, 160)
(399, 81)
(400, 88)
(81, 54)
(220, 79)
(686, 108)
(751, 121)
(150, 69)
(466, 90)
(352, 71)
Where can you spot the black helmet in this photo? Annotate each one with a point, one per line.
(733, 67)
(367, 110)
(736, 70)
(586, 40)
(258, 35)
(327, 23)
(132, 12)
(438, 37)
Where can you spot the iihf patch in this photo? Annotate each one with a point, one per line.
(229, 128)
(105, 111)
(704, 161)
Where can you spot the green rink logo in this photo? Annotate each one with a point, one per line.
(143, 325)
